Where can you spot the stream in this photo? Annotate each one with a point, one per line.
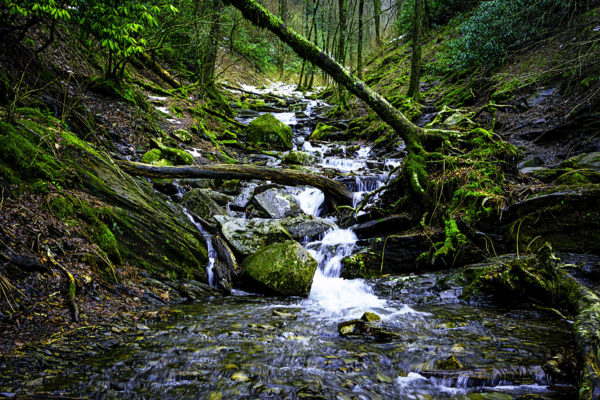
(251, 346)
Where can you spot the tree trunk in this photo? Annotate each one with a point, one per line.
(410, 133)
(158, 70)
(359, 67)
(415, 63)
(377, 17)
(209, 59)
(281, 59)
(338, 192)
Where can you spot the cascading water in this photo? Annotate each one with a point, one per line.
(212, 253)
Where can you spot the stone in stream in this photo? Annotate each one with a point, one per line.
(364, 327)
(201, 204)
(282, 268)
(323, 131)
(299, 157)
(304, 225)
(268, 131)
(277, 203)
(246, 236)
(449, 363)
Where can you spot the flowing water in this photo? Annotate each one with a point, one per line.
(250, 346)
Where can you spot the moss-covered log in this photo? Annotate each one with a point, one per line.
(257, 14)
(338, 192)
(159, 70)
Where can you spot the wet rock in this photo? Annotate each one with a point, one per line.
(172, 155)
(246, 236)
(361, 327)
(304, 225)
(281, 268)
(282, 313)
(201, 204)
(268, 131)
(364, 264)
(221, 199)
(194, 290)
(531, 162)
(449, 363)
(370, 317)
(277, 203)
(568, 218)
(392, 223)
(299, 157)
(539, 97)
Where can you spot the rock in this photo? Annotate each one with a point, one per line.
(364, 264)
(449, 363)
(173, 155)
(221, 199)
(282, 268)
(240, 377)
(304, 225)
(277, 203)
(268, 131)
(183, 135)
(534, 161)
(360, 327)
(282, 313)
(322, 132)
(246, 236)
(201, 204)
(299, 157)
(194, 290)
(370, 317)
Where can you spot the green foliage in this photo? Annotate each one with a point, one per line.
(440, 12)
(496, 26)
(39, 8)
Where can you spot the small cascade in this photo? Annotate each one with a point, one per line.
(212, 253)
(310, 201)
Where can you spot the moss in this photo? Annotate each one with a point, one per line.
(449, 364)
(152, 156)
(25, 157)
(106, 240)
(322, 131)
(174, 155)
(62, 207)
(282, 268)
(268, 131)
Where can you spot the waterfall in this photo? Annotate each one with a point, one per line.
(212, 253)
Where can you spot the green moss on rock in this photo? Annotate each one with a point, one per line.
(268, 131)
(282, 268)
(322, 131)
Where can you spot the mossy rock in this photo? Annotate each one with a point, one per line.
(449, 363)
(322, 132)
(299, 157)
(183, 135)
(173, 155)
(365, 264)
(268, 131)
(282, 268)
(152, 156)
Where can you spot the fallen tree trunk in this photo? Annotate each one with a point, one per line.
(338, 192)
(160, 71)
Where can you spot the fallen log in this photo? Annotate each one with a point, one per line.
(337, 191)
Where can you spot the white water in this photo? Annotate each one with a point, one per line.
(310, 201)
(212, 253)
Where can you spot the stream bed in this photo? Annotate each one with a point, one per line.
(251, 346)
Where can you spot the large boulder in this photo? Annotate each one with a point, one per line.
(277, 203)
(281, 268)
(201, 204)
(267, 130)
(247, 236)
